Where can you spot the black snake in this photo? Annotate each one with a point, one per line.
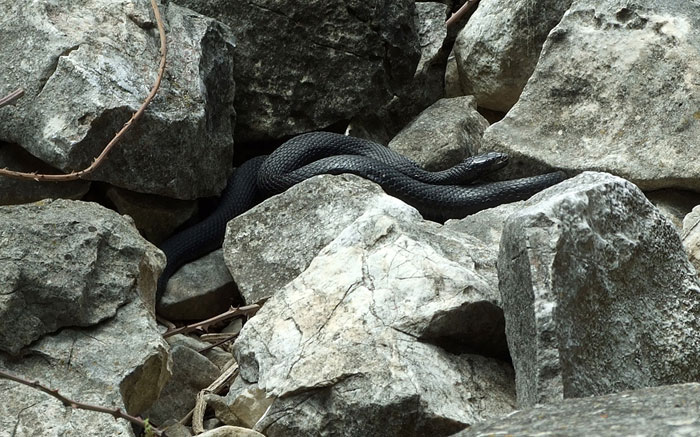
(437, 195)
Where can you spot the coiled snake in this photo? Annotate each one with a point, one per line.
(437, 195)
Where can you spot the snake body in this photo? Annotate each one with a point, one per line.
(437, 195)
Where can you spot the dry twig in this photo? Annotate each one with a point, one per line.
(461, 12)
(233, 312)
(114, 412)
(10, 98)
(100, 159)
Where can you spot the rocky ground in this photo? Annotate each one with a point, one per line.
(573, 313)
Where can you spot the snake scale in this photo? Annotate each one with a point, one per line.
(437, 195)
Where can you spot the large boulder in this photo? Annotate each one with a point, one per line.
(615, 90)
(304, 65)
(87, 66)
(598, 293)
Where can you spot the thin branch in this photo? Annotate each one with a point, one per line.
(10, 98)
(461, 12)
(218, 343)
(114, 412)
(100, 159)
(233, 312)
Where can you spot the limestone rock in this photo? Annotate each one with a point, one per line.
(192, 372)
(304, 65)
(14, 191)
(498, 48)
(615, 90)
(597, 292)
(344, 334)
(443, 135)
(67, 264)
(199, 290)
(92, 64)
(121, 363)
(659, 411)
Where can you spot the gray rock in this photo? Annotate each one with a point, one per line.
(497, 50)
(120, 363)
(15, 191)
(92, 64)
(597, 292)
(614, 90)
(244, 405)
(199, 290)
(216, 355)
(691, 237)
(443, 135)
(305, 65)
(68, 263)
(380, 124)
(347, 333)
(486, 225)
(156, 217)
(262, 248)
(659, 411)
(192, 372)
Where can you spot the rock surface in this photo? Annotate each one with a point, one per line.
(498, 48)
(67, 264)
(350, 323)
(305, 65)
(443, 135)
(597, 292)
(615, 90)
(92, 64)
(691, 236)
(658, 411)
(14, 191)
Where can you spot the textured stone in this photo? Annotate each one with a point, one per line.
(674, 204)
(192, 372)
(156, 217)
(380, 124)
(15, 191)
(92, 64)
(597, 292)
(359, 329)
(615, 90)
(68, 263)
(121, 363)
(443, 135)
(498, 48)
(231, 431)
(199, 290)
(659, 411)
(304, 65)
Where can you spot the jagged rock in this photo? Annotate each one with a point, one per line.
(216, 355)
(380, 124)
(659, 411)
(597, 292)
(359, 329)
(305, 65)
(15, 191)
(244, 405)
(443, 135)
(121, 362)
(614, 90)
(691, 237)
(68, 264)
(155, 217)
(92, 64)
(271, 244)
(199, 290)
(498, 48)
(262, 248)
(192, 372)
